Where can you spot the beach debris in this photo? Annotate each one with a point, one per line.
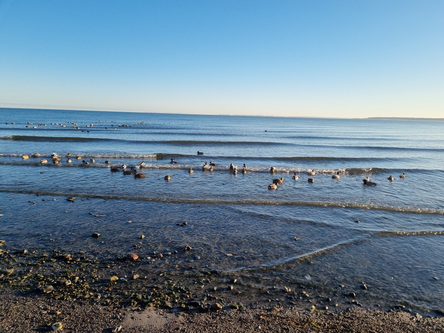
(2, 243)
(71, 199)
(142, 236)
(96, 215)
(135, 276)
(95, 235)
(57, 326)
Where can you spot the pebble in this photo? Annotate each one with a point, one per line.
(57, 326)
(48, 289)
(133, 257)
(216, 307)
(114, 278)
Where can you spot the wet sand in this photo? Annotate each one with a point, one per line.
(43, 292)
(39, 314)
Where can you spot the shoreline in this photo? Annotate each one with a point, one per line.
(85, 294)
(36, 313)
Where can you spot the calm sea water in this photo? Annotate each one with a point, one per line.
(330, 233)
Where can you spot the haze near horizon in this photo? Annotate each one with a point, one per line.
(342, 59)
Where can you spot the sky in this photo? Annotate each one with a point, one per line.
(312, 58)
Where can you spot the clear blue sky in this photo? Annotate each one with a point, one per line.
(320, 58)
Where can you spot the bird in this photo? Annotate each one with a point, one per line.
(402, 175)
(367, 182)
(272, 170)
(311, 180)
(167, 178)
(190, 170)
(391, 178)
(272, 187)
(295, 176)
(278, 181)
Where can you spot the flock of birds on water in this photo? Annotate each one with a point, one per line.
(136, 170)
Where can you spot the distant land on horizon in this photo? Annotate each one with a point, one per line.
(405, 118)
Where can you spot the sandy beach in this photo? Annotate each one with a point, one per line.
(64, 292)
(40, 314)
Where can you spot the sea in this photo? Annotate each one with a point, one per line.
(384, 241)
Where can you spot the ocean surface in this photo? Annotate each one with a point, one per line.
(329, 234)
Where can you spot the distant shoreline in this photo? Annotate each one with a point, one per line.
(405, 118)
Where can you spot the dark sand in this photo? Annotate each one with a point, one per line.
(85, 294)
(38, 313)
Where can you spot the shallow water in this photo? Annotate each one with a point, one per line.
(330, 234)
